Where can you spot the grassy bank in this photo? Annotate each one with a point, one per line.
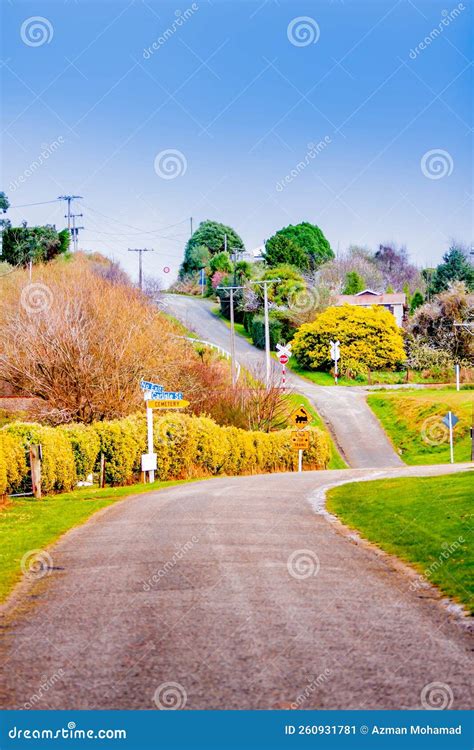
(424, 521)
(412, 420)
(28, 524)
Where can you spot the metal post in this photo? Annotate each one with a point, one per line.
(451, 447)
(149, 425)
(267, 334)
(232, 337)
(335, 371)
(457, 377)
(300, 461)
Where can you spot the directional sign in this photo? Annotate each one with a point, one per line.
(283, 351)
(334, 350)
(146, 385)
(454, 419)
(300, 440)
(301, 418)
(167, 403)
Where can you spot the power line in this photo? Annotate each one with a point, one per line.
(69, 199)
(130, 226)
(41, 203)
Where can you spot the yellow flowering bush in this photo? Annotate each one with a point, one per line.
(369, 337)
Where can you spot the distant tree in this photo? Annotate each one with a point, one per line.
(309, 238)
(455, 267)
(396, 269)
(37, 244)
(416, 301)
(354, 283)
(4, 203)
(390, 289)
(214, 237)
(358, 259)
(280, 249)
(199, 257)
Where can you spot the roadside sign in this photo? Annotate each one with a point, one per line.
(148, 461)
(301, 418)
(151, 389)
(283, 349)
(334, 350)
(450, 422)
(283, 359)
(300, 440)
(167, 403)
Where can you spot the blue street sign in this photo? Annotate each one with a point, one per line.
(454, 419)
(171, 396)
(153, 388)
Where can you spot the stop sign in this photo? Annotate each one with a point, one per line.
(283, 359)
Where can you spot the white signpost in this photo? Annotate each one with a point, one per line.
(450, 420)
(335, 354)
(283, 354)
(150, 391)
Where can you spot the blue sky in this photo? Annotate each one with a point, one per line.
(237, 91)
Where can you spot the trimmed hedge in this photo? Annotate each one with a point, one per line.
(186, 446)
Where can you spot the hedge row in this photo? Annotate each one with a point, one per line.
(187, 446)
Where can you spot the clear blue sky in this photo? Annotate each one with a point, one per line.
(231, 91)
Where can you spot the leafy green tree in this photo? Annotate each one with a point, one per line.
(199, 257)
(289, 285)
(37, 244)
(455, 267)
(390, 290)
(416, 301)
(280, 249)
(354, 283)
(4, 203)
(309, 238)
(214, 237)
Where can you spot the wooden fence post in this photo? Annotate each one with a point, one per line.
(102, 470)
(36, 454)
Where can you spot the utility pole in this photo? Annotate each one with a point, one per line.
(68, 198)
(267, 324)
(74, 229)
(231, 290)
(140, 250)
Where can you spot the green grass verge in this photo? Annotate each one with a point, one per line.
(336, 461)
(376, 378)
(29, 524)
(412, 420)
(238, 327)
(424, 521)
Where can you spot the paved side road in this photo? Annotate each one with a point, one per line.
(229, 593)
(356, 430)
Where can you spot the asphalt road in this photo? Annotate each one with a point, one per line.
(355, 429)
(230, 593)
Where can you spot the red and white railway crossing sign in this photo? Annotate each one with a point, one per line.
(283, 354)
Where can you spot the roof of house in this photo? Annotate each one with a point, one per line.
(369, 297)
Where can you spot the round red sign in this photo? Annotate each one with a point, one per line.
(283, 359)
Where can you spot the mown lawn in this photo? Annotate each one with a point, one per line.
(424, 521)
(412, 420)
(376, 378)
(336, 461)
(28, 524)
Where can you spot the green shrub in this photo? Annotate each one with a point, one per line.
(13, 466)
(122, 445)
(258, 331)
(58, 471)
(85, 444)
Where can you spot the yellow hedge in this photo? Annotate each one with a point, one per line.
(369, 337)
(186, 446)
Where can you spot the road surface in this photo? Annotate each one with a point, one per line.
(355, 429)
(230, 593)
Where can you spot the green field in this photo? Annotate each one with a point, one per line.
(376, 378)
(28, 524)
(412, 420)
(424, 521)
